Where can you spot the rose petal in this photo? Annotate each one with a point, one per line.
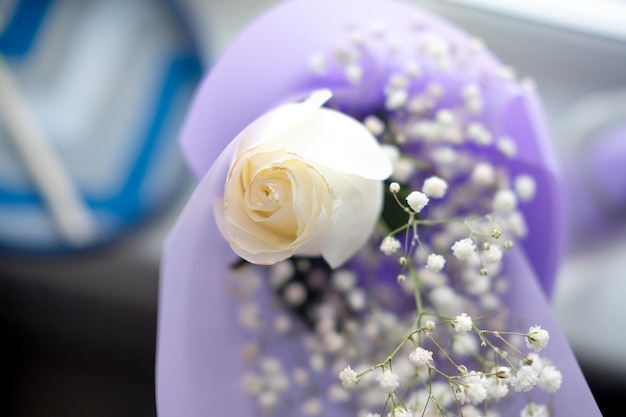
(335, 141)
(358, 203)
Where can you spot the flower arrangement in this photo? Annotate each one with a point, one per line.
(380, 189)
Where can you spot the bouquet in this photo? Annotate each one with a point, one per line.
(375, 232)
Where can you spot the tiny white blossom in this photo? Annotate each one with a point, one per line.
(504, 200)
(525, 187)
(534, 361)
(388, 381)
(357, 299)
(343, 280)
(537, 338)
(417, 200)
(475, 391)
(435, 187)
(396, 99)
(459, 393)
(374, 125)
(516, 223)
(525, 379)
(403, 168)
(420, 356)
(435, 262)
(394, 188)
(550, 379)
(354, 73)
(463, 248)
(483, 174)
(503, 373)
(479, 134)
(497, 388)
(535, 410)
(444, 155)
(348, 377)
(507, 147)
(493, 255)
(295, 293)
(462, 323)
(278, 382)
(390, 245)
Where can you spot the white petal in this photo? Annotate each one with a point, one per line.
(357, 206)
(336, 141)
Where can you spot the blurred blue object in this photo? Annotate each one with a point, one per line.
(105, 84)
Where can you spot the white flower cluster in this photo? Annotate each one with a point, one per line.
(420, 356)
(462, 215)
(348, 377)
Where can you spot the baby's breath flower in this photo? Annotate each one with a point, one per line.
(420, 356)
(390, 245)
(535, 410)
(430, 325)
(507, 147)
(394, 188)
(504, 200)
(503, 373)
(435, 187)
(525, 187)
(435, 263)
(403, 168)
(497, 388)
(463, 248)
(374, 125)
(417, 200)
(537, 338)
(550, 379)
(462, 323)
(492, 255)
(483, 174)
(348, 377)
(525, 379)
(388, 381)
(475, 391)
(534, 361)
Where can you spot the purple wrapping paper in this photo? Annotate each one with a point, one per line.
(199, 363)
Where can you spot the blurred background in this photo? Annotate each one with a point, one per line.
(103, 85)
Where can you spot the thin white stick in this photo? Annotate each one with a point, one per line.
(63, 199)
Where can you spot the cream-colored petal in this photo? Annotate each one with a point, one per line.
(335, 141)
(358, 204)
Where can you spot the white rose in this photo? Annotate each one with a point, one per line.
(304, 180)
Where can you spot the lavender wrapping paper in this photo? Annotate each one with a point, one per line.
(199, 363)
